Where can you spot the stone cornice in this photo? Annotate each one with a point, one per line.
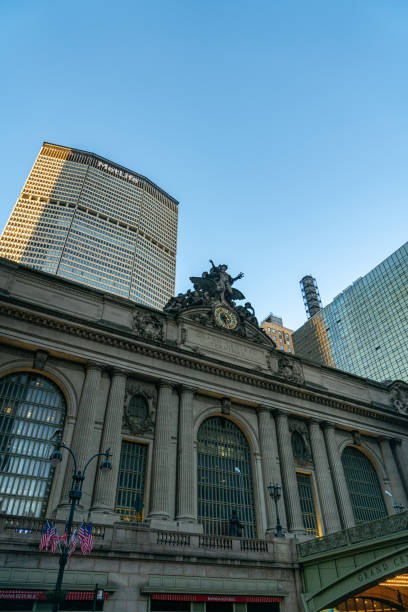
(117, 338)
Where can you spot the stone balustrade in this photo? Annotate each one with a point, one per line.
(137, 538)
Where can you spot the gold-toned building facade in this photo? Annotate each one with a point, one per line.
(281, 335)
(87, 219)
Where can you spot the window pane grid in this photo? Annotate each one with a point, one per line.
(32, 409)
(363, 486)
(131, 481)
(307, 503)
(221, 487)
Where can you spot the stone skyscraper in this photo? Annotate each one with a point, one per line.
(87, 219)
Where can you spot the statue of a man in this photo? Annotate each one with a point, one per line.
(235, 526)
(223, 281)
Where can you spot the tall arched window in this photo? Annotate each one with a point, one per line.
(363, 486)
(224, 478)
(32, 409)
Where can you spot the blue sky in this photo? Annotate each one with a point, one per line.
(280, 126)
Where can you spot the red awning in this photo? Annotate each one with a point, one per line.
(40, 595)
(223, 598)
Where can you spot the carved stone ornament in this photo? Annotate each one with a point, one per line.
(225, 405)
(290, 369)
(142, 422)
(40, 359)
(212, 303)
(300, 442)
(399, 396)
(147, 325)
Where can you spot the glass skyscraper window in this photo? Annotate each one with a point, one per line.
(364, 330)
(32, 409)
(87, 219)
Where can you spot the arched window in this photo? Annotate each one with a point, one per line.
(138, 408)
(224, 478)
(363, 486)
(32, 409)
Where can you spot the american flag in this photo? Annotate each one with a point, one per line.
(65, 536)
(82, 537)
(45, 537)
(55, 539)
(72, 544)
(86, 538)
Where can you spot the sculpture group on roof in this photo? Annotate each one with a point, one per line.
(211, 288)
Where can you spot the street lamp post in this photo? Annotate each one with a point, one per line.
(75, 495)
(275, 493)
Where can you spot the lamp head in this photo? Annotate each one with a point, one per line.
(274, 491)
(56, 457)
(106, 464)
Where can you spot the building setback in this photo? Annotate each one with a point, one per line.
(85, 218)
(201, 413)
(364, 330)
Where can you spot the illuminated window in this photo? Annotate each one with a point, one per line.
(131, 481)
(307, 503)
(32, 409)
(224, 478)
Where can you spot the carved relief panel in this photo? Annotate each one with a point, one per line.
(140, 408)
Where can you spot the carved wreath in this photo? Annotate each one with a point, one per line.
(138, 414)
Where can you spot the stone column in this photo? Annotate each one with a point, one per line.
(270, 467)
(397, 489)
(84, 426)
(401, 461)
(160, 480)
(339, 479)
(331, 519)
(290, 486)
(106, 483)
(185, 459)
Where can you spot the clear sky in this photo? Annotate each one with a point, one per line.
(280, 125)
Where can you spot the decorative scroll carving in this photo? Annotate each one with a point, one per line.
(148, 326)
(141, 422)
(399, 396)
(290, 369)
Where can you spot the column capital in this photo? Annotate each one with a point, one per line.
(118, 372)
(278, 412)
(326, 425)
(165, 384)
(187, 388)
(94, 365)
(395, 441)
(315, 421)
(262, 408)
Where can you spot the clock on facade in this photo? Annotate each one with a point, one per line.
(224, 317)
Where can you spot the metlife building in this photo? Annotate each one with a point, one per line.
(364, 330)
(87, 219)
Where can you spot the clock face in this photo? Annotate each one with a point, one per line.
(224, 317)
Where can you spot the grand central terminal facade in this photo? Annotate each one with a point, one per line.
(201, 414)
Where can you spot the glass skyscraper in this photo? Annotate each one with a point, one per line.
(85, 218)
(364, 330)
